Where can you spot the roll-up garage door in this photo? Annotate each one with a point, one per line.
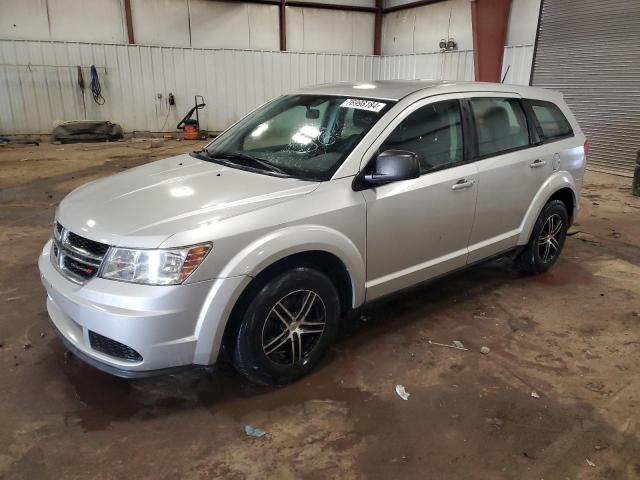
(590, 51)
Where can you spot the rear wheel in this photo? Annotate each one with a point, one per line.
(547, 239)
(287, 328)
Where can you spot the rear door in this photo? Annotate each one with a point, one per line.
(511, 169)
(553, 129)
(418, 229)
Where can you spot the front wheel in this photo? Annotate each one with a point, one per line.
(547, 239)
(287, 328)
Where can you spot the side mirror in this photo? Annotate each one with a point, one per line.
(393, 166)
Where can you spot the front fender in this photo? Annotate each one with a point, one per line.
(279, 244)
(554, 183)
(253, 259)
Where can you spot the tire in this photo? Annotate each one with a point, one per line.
(539, 255)
(269, 353)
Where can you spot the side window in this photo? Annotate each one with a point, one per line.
(501, 125)
(433, 132)
(552, 121)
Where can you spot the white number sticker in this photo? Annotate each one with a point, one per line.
(363, 104)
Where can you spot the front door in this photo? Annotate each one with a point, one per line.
(419, 229)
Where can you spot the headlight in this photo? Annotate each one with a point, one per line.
(153, 267)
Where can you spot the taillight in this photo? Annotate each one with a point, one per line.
(586, 147)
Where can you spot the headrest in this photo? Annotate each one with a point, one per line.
(497, 119)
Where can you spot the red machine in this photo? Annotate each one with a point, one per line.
(190, 126)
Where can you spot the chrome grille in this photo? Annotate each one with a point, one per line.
(76, 257)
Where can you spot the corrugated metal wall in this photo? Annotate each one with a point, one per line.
(516, 64)
(38, 81)
(590, 51)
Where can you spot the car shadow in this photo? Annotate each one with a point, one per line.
(104, 399)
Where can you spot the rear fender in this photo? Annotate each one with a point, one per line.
(554, 183)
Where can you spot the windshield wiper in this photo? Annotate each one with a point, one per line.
(264, 164)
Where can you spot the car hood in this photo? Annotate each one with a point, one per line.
(143, 206)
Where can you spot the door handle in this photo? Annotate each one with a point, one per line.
(462, 184)
(538, 163)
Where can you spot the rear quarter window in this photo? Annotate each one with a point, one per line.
(552, 122)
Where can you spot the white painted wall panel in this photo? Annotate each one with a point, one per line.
(87, 20)
(397, 32)
(517, 60)
(523, 22)
(161, 22)
(420, 29)
(319, 30)
(295, 29)
(363, 28)
(352, 3)
(218, 24)
(229, 25)
(395, 3)
(264, 29)
(24, 20)
(432, 66)
(38, 81)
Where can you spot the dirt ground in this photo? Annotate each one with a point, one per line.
(572, 336)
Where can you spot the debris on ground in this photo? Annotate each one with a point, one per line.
(458, 343)
(254, 432)
(26, 346)
(19, 141)
(401, 459)
(400, 390)
(601, 447)
(588, 238)
(485, 350)
(590, 463)
(86, 131)
(535, 394)
(462, 347)
(42, 334)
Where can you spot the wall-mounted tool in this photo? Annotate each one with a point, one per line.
(96, 88)
(190, 126)
(82, 87)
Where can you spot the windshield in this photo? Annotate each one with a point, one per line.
(304, 136)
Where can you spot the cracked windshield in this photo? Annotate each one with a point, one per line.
(301, 136)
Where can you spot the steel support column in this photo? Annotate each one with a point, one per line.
(489, 20)
(377, 31)
(129, 21)
(282, 19)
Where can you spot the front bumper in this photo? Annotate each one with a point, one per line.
(171, 327)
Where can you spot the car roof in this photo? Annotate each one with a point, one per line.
(398, 89)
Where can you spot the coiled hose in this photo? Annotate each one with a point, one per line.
(96, 88)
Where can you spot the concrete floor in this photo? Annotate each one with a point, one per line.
(571, 335)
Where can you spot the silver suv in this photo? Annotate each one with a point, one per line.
(301, 212)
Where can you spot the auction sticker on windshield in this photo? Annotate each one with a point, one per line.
(363, 104)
